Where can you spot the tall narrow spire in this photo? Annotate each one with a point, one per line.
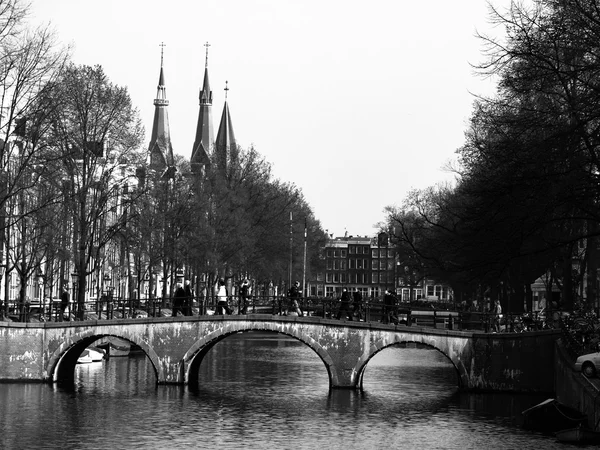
(204, 130)
(160, 148)
(225, 143)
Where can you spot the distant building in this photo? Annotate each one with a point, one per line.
(370, 265)
(356, 263)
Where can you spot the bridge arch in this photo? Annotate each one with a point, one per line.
(194, 356)
(61, 363)
(380, 346)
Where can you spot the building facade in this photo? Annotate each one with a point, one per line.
(371, 266)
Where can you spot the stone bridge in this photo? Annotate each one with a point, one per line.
(48, 352)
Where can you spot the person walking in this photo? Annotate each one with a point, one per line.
(64, 303)
(497, 316)
(389, 306)
(294, 297)
(222, 307)
(357, 308)
(178, 300)
(189, 298)
(243, 297)
(344, 305)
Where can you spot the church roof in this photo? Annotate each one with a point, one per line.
(225, 143)
(204, 129)
(160, 148)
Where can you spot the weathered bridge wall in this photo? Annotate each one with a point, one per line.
(175, 346)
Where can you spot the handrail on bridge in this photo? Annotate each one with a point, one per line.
(109, 307)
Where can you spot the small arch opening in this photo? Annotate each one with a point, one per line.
(124, 366)
(256, 362)
(409, 371)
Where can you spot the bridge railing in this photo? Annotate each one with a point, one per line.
(370, 310)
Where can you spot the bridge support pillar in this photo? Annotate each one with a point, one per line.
(343, 378)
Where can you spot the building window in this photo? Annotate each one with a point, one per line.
(375, 264)
(343, 252)
(336, 265)
(342, 277)
(374, 277)
(336, 278)
(343, 264)
(351, 263)
(438, 292)
(336, 253)
(330, 253)
(320, 276)
(352, 249)
(374, 253)
(328, 277)
(359, 264)
(329, 291)
(329, 265)
(365, 263)
(430, 291)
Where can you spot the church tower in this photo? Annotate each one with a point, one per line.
(160, 148)
(204, 130)
(225, 144)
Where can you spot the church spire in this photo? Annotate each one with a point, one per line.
(160, 148)
(204, 130)
(225, 144)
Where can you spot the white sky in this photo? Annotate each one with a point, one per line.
(354, 102)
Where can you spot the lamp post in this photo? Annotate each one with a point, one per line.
(74, 298)
(3, 305)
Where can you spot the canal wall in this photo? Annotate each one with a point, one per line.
(513, 362)
(574, 389)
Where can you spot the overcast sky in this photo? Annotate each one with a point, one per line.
(354, 102)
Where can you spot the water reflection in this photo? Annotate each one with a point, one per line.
(264, 392)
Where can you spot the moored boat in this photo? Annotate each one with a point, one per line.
(551, 416)
(89, 356)
(578, 435)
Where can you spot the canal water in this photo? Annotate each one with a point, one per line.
(265, 391)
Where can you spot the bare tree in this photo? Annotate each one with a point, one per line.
(97, 133)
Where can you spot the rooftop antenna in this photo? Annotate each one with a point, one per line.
(206, 58)
(162, 46)
(226, 89)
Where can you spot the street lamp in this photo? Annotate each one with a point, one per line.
(75, 298)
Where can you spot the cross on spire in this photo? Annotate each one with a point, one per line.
(206, 58)
(162, 46)
(226, 89)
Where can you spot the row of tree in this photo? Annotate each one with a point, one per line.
(76, 194)
(525, 201)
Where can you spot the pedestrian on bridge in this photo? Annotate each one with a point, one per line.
(189, 299)
(64, 303)
(244, 294)
(389, 308)
(497, 316)
(344, 305)
(294, 295)
(357, 308)
(222, 307)
(179, 300)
